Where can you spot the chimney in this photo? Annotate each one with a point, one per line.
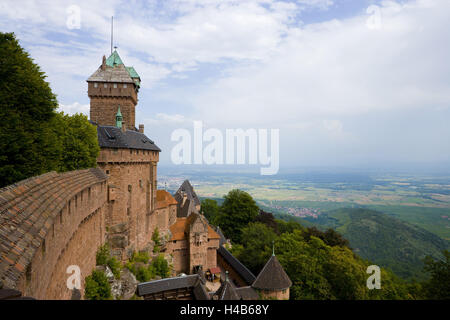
(141, 128)
(104, 63)
(124, 126)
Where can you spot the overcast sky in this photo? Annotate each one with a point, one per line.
(348, 83)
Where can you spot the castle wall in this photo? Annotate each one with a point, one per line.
(130, 217)
(105, 101)
(276, 295)
(62, 225)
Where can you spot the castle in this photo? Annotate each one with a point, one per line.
(53, 221)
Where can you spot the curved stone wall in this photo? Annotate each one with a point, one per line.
(48, 223)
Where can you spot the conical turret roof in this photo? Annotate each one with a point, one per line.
(227, 291)
(272, 276)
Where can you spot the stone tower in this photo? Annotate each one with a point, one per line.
(113, 84)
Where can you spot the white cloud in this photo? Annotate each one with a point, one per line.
(341, 68)
(74, 108)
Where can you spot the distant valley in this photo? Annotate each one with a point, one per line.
(393, 220)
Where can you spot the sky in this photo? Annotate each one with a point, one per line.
(347, 83)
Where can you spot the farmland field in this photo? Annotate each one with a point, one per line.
(423, 200)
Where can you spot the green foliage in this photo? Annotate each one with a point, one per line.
(141, 256)
(330, 237)
(27, 105)
(320, 271)
(115, 266)
(34, 139)
(145, 272)
(102, 255)
(210, 209)
(97, 286)
(290, 226)
(237, 210)
(103, 258)
(160, 266)
(79, 142)
(268, 219)
(256, 246)
(388, 241)
(156, 241)
(438, 287)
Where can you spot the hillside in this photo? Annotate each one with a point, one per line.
(385, 240)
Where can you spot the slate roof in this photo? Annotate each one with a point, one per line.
(116, 71)
(227, 291)
(223, 240)
(272, 276)
(242, 270)
(189, 190)
(27, 211)
(117, 74)
(113, 137)
(192, 281)
(247, 293)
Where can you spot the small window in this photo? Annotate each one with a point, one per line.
(105, 85)
(95, 85)
(107, 171)
(115, 85)
(124, 85)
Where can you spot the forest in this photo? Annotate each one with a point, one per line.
(321, 264)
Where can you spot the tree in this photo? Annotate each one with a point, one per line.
(97, 286)
(330, 237)
(210, 209)
(438, 287)
(156, 240)
(27, 106)
(79, 142)
(256, 249)
(34, 138)
(268, 219)
(237, 210)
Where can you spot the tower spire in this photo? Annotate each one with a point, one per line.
(119, 118)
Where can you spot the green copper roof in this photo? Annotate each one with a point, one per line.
(132, 72)
(118, 114)
(114, 59)
(119, 118)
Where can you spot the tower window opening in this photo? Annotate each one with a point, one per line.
(105, 85)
